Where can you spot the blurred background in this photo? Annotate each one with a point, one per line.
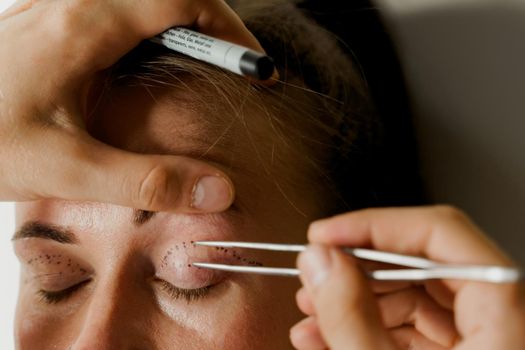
(450, 70)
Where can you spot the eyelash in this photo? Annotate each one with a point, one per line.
(176, 293)
(188, 294)
(55, 297)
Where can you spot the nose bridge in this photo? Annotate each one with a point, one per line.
(115, 316)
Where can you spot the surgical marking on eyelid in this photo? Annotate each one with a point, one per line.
(59, 264)
(233, 253)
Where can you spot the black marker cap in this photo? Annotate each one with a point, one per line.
(256, 65)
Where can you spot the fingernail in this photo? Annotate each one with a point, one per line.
(212, 194)
(315, 263)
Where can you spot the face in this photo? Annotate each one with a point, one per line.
(99, 276)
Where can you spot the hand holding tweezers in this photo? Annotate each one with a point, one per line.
(422, 269)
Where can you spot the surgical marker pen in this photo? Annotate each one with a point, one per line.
(232, 57)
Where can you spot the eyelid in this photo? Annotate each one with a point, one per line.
(176, 264)
(185, 276)
(54, 297)
(58, 281)
(182, 293)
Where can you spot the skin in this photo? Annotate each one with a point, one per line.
(123, 304)
(46, 76)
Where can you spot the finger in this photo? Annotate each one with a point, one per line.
(213, 17)
(228, 27)
(81, 168)
(345, 307)
(382, 287)
(121, 25)
(409, 338)
(483, 308)
(423, 230)
(304, 302)
(414, 307)
(305, 335)
(379, 287)
(441, 233)
(439, 291)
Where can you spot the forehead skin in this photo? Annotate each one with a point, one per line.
(118, 309)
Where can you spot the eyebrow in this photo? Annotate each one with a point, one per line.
(140, 217)
(60, 234)
(37, 229)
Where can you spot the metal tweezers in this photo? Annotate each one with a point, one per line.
(423, 269)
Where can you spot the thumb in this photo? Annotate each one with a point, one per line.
(78, 167)
(346, 311)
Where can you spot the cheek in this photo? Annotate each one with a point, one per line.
(259, 316)
(232, 324)
(36, 331)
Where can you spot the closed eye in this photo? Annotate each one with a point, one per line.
(54, 297)
(189, 295)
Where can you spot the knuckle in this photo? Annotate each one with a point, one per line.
(449, 213)
(152, 192)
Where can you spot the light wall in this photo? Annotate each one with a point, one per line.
(463, 62)
(9, 268)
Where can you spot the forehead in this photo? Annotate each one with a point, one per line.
(240, 132)
(167, 121)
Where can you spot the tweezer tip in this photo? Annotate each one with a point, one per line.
(206, 243)
(199, 265)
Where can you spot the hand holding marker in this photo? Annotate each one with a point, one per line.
(42, 120)
(232, 57)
